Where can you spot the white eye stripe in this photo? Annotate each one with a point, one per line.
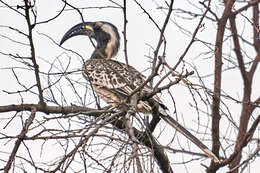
(112, 42)
(109, 29)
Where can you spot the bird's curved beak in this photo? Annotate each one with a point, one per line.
(79, 29)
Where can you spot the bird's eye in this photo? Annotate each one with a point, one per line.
(96, 27)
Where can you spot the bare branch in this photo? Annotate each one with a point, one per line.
(52, 109)
(124, 32)
(30, 37)
(18, 142)
(217, 81)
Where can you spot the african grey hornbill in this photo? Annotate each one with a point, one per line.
(114, 81)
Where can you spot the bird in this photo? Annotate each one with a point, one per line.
(114, 81)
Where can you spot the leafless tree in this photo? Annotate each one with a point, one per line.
(52, 121)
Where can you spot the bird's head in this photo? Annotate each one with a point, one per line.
(105, 34)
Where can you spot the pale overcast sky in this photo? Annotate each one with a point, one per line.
(141, 35)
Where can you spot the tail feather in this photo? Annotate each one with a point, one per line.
(191, 137)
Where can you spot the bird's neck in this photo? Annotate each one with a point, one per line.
(104, 51)
(99, 53)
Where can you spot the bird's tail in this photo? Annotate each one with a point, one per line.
(191, 137)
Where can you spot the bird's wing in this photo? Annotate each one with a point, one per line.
(115, 81)
(113, 75)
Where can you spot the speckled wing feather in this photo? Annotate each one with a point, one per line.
(114, 81)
